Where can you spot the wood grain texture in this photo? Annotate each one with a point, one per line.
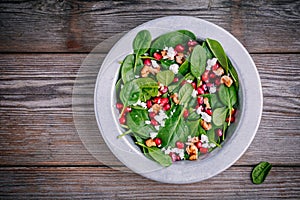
(101, 183)
(36, 110)
(68, 26)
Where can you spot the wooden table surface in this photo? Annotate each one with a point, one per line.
(43, 44)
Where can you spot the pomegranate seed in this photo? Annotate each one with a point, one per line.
(219, 132)
(179, 48)
(204, 87)
(157, 56)
(233, 111)
(173, 156)
(217, 82)
(154, 122)
(209, 84)
(119, 106)
(185, 113)
(167, 107)
(164, 90)
(205, 76)
(200, 100)
(147, 62)
(200, 90)
(203, 150)
(194, 85)
(209, 111)
(156, 100)
(164, 101)
(198, 144)
(157, 141)
(149, 104)
(176, 79)
(127, 109)
(212, 75)
(179, 145)
(178, 158)
(192, 43)
(122, 120)
(232, 119)
(152, 115)
(215, 67)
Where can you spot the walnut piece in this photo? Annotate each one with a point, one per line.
(148, 69)
(206, 125)
(179, 58)
(150, 143)
(175, 98)
(206, 102)
(219, 71)
(193, 157)
(226, 80)
(156, 108)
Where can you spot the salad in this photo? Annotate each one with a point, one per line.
(176, 95)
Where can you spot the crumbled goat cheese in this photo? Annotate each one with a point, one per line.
(147, 122)
(189, 81)
(178, 151)
(154, 64)
(194, 94)
(160, 118)
(157, 127)
(206, 117)
(205, 142)
(153, 135)
(212, 89)
(211, 62)
(137, 76)
(139, 103)
(174, 68)
(171, 53)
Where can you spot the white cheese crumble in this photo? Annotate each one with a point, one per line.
(171, 53)
(195, 93)
(160, 118)
(205, 142)
(174, 68)
(206, 117)
(178, 151)
(153, 134)
(157, 127)
(137, 76)
(147, 122)
(154, 64)
(212, 89)
(189, 81)
(139, 103)
(210, 63)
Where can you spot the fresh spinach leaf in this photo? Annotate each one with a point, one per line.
(170, 39)
(141, 42)
(136, 123)
(174, 129)
(198, 61)
(228, 96)
(209, 54)
(148, 88)
(166, 63)
(127, 66)
(184, 67)
(130, 93)
(193, 127)
(185, 93)
(233, 73)
(191, 35)
(260, 172)
(219, 116)
(118, 89)
(138, 65)
(212, 137)
(193, 116)
(218, 51)
(165, 77)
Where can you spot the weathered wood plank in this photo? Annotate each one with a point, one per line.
(66, 26)
(37, 130)
(55, 74)
(104, 183)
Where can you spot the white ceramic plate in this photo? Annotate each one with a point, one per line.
(240, 135)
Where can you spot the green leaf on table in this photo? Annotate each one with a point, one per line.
(141, 42)
(165, 77)
(185, 93)
(218, 51)
(127, 66)
(260, 172)
(198, 61)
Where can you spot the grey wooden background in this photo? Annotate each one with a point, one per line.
(42, 46)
